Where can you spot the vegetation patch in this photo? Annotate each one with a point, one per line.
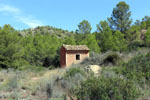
(103, 88)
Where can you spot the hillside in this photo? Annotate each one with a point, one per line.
(60, 33)
(119, 48)
(76, 82)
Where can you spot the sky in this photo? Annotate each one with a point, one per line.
(65, 14)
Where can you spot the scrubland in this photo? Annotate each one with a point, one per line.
(123, 76)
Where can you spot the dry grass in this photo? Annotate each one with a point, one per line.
(127, 56)
(26, 84)
(39, 82)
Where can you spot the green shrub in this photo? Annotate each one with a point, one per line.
(109, 58)
(31, 68)
(72, 71)
(135, 45)
(107, 89)
(138, 68)
(12, 83)
(65, 85)
(112, 58)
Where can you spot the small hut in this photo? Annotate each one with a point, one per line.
(73, 54)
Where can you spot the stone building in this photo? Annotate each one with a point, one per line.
(73, 54)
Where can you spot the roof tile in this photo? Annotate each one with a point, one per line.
(75, 47)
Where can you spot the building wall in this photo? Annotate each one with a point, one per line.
(62, 57)
(71, 57)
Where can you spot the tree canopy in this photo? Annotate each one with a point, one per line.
(120, 18)
(84, 27)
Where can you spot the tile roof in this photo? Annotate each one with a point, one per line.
(75, 47)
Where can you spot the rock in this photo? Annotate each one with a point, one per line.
(35, 78)
(94, 68)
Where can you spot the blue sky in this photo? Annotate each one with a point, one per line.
(65, 14)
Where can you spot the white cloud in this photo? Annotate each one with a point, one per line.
(19, 16)
(9, 9)
(30, 21)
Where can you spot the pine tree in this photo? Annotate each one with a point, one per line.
(120, 18)
(11, 50)
(119, 41)
(84, 27)
(69, 41)
(104, 36)
(91, 42)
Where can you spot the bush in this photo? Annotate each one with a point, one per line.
(135, 45)
(73, 71)
(112, 58)
(62, 86)
(107, 89)
(12, 83)
(138, 68)
(31, 68)
(109, 58)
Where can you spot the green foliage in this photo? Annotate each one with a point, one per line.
(145, 23)
(133, 33)
(120, 19)
(119, 41)
(37, 49)
(64, 86)
(12, 83)
(112, 58)
(40, 49)
(106, 59)
(31, 68)
(147, 38)
(102, 26)
(69, 41)
(102, 88)
(135, 45)
(137, 23)
(109, 40)
(11, 50)
(134, 38)
(60, 33)
(138, 69)
(91, 42)
(73, 71)
(84, 27)
(106, 37)
(79, 37)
